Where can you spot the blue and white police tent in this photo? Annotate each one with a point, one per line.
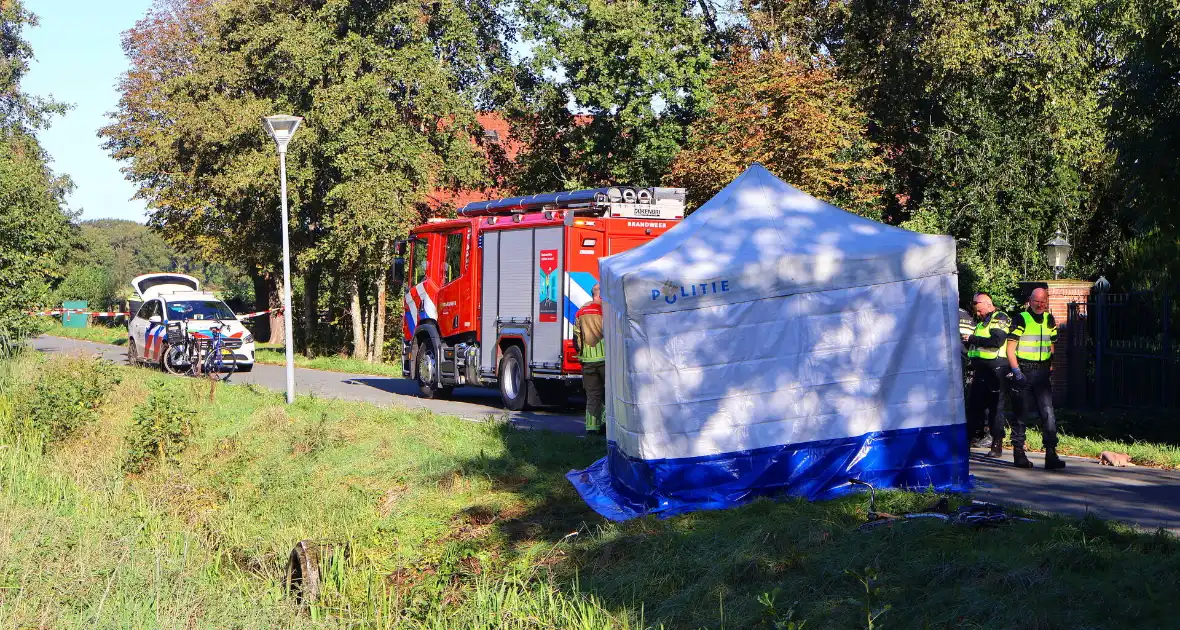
(774, 344)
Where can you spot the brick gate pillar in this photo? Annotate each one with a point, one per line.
(1061, 293)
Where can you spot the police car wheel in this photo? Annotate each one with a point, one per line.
(514, 389)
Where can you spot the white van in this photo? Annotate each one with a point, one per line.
(172, 297)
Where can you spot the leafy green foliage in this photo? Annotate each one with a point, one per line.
(635, 74)
(1145, 128)
(108, 253)
(799, 122)
(62, 399)
(163, 427)
(34, 230)
(387, 90)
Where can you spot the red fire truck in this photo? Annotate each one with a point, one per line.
(490, 296)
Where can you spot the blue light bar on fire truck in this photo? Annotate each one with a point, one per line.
(616, 201)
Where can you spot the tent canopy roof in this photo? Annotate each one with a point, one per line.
(760, 237)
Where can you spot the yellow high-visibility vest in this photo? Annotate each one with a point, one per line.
(1036, 340)
(982, 329)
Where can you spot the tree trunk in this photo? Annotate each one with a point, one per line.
(379, 338)
(359, 349)
(278, 331)
(262, 294)
(371, 327)
(311, 308)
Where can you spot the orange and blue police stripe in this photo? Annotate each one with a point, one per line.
(153, 342)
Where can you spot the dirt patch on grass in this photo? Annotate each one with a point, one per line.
(390, 499)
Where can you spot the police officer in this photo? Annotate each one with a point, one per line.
(988, 370)
(588, 342)
(966, 328)
(1030, 357)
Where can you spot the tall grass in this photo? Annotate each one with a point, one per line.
(436, 522)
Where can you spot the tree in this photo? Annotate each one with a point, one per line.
(634, 73)
(799, 122)
(387, 89)
(991, 121)
(108, 253)
(35, 232)
(1144, 128)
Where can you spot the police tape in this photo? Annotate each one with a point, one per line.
(253, 315)
(75, 311)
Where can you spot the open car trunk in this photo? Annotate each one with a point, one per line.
(151, 285)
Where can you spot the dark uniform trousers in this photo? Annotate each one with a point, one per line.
(594, 382)
(1034, 395)
(985, 402)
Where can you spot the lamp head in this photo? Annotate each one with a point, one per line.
(281, 128)
(1057, 251)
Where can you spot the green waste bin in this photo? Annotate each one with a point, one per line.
(75, 320)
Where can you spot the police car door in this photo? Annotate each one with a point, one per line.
(140, 324)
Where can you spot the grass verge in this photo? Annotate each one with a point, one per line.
(274, 354)
(116, 335)
(1148, 438)
(446, 523)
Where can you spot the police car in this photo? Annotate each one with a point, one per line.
(173, 297)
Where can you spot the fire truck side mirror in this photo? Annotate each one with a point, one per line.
(399, 271)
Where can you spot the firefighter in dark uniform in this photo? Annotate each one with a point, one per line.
(989, 371)
(591, 350)
(1030, 357)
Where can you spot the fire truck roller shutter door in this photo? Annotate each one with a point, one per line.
(517, 272)
(489, 300)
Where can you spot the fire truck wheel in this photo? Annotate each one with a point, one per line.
(514, 388)
(427, 373)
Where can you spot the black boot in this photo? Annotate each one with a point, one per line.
(1052, 461)
(1019, 458)
(997, 449)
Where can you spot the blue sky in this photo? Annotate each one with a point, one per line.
(78, 60)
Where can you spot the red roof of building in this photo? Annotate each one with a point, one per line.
(496, 131)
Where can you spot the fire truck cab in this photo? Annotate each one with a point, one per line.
(490, 296)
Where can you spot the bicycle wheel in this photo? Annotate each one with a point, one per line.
(176, 360)
(219, 366)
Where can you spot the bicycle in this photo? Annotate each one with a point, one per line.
(977, 513)
(196, 353)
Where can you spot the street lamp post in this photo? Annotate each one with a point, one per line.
(281, 128)
(1057, 251)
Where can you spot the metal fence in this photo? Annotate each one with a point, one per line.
(1122, 351)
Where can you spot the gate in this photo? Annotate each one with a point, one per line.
(1121, 352)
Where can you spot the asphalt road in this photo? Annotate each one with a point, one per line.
(1145, 497)
(473, 403)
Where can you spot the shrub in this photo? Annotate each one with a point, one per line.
(163, 428)
(63, 398)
